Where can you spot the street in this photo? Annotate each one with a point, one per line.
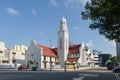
(91, 74)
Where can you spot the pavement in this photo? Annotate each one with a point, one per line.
(117, 75)
(62, 69)
(57, 69)
(6, 69)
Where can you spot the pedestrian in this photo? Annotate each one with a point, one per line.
(64, 67)
(77, 66)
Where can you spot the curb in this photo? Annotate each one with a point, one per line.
(117, 75)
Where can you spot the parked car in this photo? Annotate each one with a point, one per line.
(110, 66)
(22, 67)
(116, 70)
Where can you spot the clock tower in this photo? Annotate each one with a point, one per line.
(63, 41)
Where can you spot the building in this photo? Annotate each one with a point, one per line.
(20, 53)
(45, 57)
(97, 59)
(40, 56)
(90, 57)
(104, 57)
(3, 59)
(101, 58)
(12, 56)
(64, 54)
(20, 48)
(118, 48)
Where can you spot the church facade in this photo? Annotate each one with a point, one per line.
(64, 54)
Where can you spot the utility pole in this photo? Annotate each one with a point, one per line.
(50, 57)
(50, 43)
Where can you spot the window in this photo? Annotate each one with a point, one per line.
(50, 59)
(55, 59)
(44, 58)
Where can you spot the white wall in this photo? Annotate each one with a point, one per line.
(83, 56)
(36, 52)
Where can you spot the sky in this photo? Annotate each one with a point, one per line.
(22, 21)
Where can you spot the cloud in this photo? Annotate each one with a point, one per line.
(75, 3)
(34, 12)
(12, 11)
(89, 43)
(54, 3)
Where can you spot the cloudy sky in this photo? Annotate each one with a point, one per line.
(24, 20)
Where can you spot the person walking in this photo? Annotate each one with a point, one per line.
(64, 67)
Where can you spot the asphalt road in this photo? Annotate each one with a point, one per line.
(92, 74)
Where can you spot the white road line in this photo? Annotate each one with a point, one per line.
(81, 76)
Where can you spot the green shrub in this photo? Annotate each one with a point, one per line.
(34, 68)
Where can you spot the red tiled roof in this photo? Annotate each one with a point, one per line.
(72, 60)
(74, 49)
(48, 51)
(54, 51)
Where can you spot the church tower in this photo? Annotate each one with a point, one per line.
(63, 41)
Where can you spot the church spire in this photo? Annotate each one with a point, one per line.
(63, 24)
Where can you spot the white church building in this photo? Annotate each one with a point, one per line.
(64, 54)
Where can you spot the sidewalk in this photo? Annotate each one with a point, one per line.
(57, 69)
(9, 69)
(62, 69)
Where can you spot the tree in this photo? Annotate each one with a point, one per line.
(105, 17)
(115, 59)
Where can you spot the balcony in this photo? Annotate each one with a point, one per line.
(45, 61)
(50, 61)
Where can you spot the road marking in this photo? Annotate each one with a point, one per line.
(81, 76)
(91, 75)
